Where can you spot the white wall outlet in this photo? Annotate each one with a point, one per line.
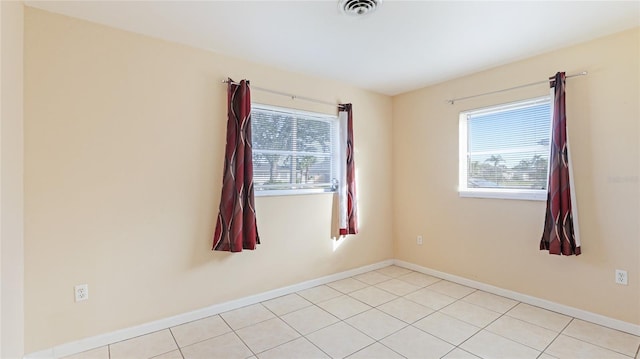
(621, 277)
(419, 240)
(82, 292)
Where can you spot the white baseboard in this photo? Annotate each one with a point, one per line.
(542, 303)
(128, 333)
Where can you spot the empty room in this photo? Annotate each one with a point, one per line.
(319, 179)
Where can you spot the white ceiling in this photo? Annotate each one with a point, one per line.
(402, 46)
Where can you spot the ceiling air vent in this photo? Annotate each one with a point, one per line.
(359, 7)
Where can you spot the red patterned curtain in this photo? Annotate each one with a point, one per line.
(560, 234)
(236, 227)
(349, 207)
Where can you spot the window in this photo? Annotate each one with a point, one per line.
(294, 152)
(504, 150)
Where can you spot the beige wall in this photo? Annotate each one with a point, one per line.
(124, 141)
(496, 241)
(11, 181)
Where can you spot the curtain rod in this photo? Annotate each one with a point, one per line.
(293, 97)
(453, 100)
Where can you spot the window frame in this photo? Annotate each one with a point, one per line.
(497, 193)
(335, 128)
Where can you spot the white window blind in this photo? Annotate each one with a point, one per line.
(504, 150)
(293, 151)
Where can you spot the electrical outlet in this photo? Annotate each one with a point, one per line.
(621, 277)
(419, 240)
(82, 292)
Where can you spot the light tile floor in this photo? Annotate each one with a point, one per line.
(387, 313)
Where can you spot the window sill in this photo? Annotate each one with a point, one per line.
(524, 195)
(292, 192)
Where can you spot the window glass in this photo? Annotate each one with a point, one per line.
(293, 151)
(504, 150)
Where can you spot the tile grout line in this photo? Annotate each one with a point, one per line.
(412, 324)
(449, 352)
(594, 344)
(309, 340)
(557, 336)
(481, 329)
(203, 340)
(500, 316)
(515, 341)
(343, 294)
(294, 329)
(413, 291)
(374, 339)
(535, 325)
(434, 310)
(234, 330)
(176, 341)
(376, 342)
(245, 344)
(371, 308)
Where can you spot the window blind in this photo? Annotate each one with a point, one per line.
(293, 150)
(508, 146)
